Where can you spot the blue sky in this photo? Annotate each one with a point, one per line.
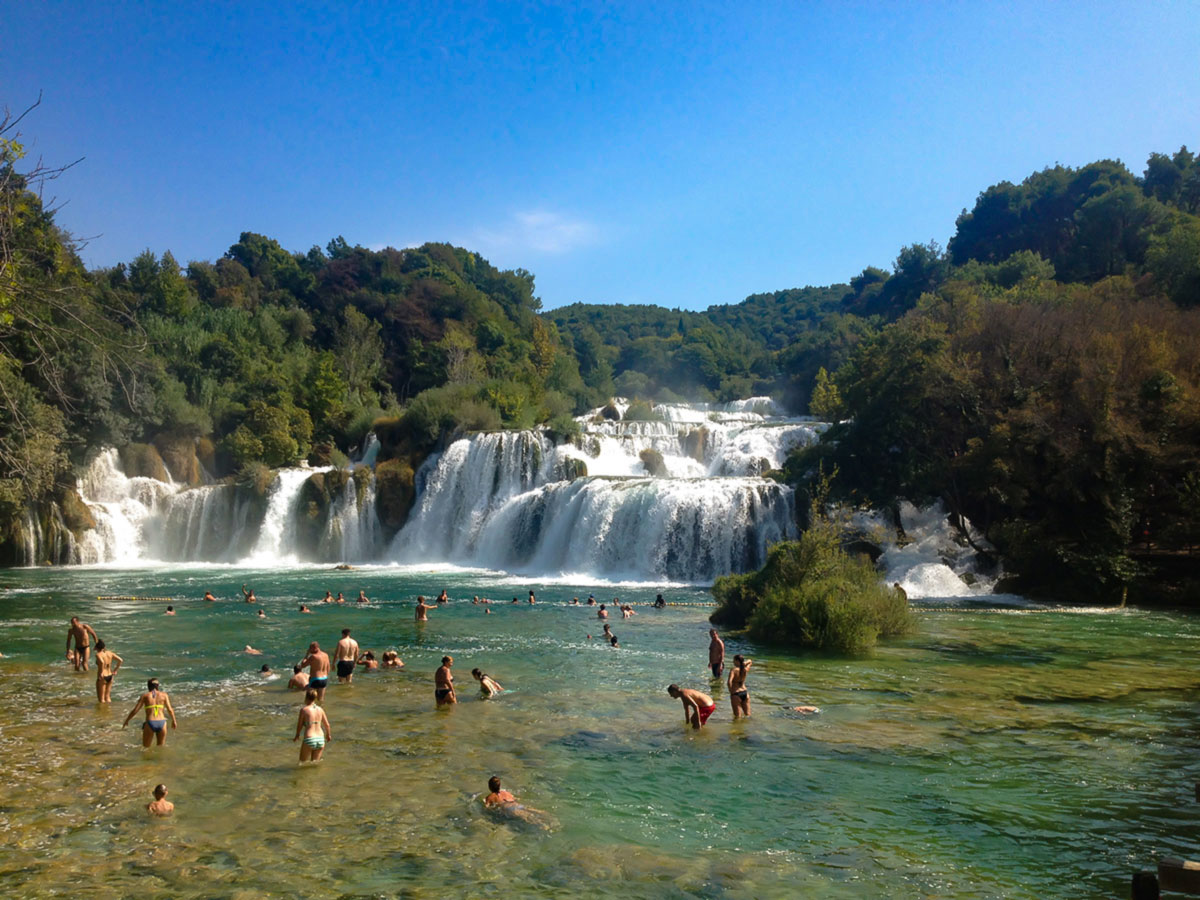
(683, 154)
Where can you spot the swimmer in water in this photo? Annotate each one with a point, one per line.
(170, 611)
(602, 613)
(488, 686)
(208, 596)
(249, 595)
(442, 597)
(304, 609)
(262, 614)
(697, 706)
(362, 597)
(161, 806)
(392, 660)
(299, 679)
(368, 661)
(315, 725)
(503, 803)
(328, 598)
(739, 697)
(252, 651)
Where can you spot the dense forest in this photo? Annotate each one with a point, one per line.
(1039, 375)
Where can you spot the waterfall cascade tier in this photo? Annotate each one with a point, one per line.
(678, 495)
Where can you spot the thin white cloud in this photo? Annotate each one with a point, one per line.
(539, 231)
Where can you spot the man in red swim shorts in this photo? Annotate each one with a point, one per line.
(697, 706)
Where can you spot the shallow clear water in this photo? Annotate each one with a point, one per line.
(995, 753)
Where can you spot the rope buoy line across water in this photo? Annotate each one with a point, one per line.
(158, 599)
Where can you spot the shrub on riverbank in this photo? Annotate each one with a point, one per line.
(812, 594)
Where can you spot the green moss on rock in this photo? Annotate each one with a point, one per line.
(143, 461)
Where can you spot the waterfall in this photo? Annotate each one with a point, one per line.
(504, 501)
(934, 560)
(370, 451)
(277, 535)
(352, 532)
(121, 507)
(213, 523)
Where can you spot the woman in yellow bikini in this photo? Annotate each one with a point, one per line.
(158, 707)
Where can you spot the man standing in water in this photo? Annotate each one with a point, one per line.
(317, 663)
(155, 702)
(82, 633)
(697, 706)
(107, 666)
(739, 697)
(346, 657)
(422, 610)
(443, 683)
(716, 653)
(315, 725)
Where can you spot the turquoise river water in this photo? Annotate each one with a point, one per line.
(996, 752)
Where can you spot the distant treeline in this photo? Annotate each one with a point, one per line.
(1039, 375)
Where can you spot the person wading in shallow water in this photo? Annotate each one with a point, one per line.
(317, 663)
(107, 666)
(697, 706)
(158, 706)
(443, 683)
(83, 634)
(346, 657)
(716, 653)
(315, 725)
(739, 697)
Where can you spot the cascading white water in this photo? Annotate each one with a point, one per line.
(516, 501)
(277, 535)
(935, 561)
(121, 507)
(503, 500)
(352, 532)
(214, 523)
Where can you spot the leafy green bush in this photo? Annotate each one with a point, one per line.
(813, 594)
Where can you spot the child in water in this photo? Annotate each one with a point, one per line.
(160, 806)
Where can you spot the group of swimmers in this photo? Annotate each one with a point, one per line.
(313, 727)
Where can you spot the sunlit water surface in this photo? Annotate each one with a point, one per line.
(995, 753)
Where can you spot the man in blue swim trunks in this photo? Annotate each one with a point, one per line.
(317, 663)
(158, 706)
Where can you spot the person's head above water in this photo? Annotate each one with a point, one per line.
(494, 784)
(265, 668)
(160, 791)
